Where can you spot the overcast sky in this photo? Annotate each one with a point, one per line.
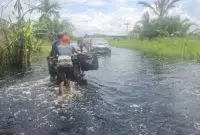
(109, 16)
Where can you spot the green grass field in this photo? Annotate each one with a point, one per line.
(181, 48)
(44, 51)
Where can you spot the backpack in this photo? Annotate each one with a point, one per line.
(65, 53)
(65, 61)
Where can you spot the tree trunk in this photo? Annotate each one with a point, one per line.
(21, 59)
(29, 57)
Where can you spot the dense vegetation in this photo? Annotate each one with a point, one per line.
(21, 39)
(164, 35)
(163, 25)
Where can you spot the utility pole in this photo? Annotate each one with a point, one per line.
(127, 26)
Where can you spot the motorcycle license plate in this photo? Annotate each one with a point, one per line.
(65, 57)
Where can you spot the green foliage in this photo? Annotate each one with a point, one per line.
(62, 26)
(163, 25)
(49, 28)
(48, 8)
(160, 7)
(11, 47)
(22, 40)
(45, 48)
(40, 29)
(19, 42)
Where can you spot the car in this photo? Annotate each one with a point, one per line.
(100, 46)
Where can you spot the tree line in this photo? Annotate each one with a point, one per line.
(162, 25)
(20, 39)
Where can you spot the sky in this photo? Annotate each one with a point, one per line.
(109, 16)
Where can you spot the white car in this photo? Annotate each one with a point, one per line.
(100, 46)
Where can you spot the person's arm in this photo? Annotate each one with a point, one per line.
(81, 47)
(73, 50)
(52, 50)
(55, 48)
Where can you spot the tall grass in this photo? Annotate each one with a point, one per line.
(4, 56)
(181, 48)
(39, 51)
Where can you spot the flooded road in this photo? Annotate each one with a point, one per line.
(130, 94)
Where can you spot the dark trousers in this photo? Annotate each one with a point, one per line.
(51, 69)
(65, 73)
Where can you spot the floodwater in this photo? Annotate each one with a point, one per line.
(130, 94)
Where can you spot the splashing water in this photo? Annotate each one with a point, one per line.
(130, 94)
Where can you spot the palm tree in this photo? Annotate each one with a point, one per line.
(141, 25)
(175, 25)
(145, 27)
(160, 7)
(145, 19)
(185, 26)
(48, 8)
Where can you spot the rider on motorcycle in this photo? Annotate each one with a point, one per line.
(53, 53)
(65, 66)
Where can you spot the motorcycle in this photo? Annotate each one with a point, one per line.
(77, 74)
(80, 63)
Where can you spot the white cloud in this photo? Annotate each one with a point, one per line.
(86, 2)
(93, 21)
(93, 2)
(107, 23)
(115, 22)
(198, 9)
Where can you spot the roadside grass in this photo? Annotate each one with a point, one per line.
(180, 48)
(43, 52)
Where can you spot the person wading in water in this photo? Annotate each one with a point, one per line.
(54, 51)
(65, 64)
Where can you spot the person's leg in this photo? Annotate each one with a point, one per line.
(61, 88)
(61, 75)
(68, 72)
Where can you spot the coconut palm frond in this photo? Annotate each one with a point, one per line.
(171, 4)
(160, 7)
(146, 4)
